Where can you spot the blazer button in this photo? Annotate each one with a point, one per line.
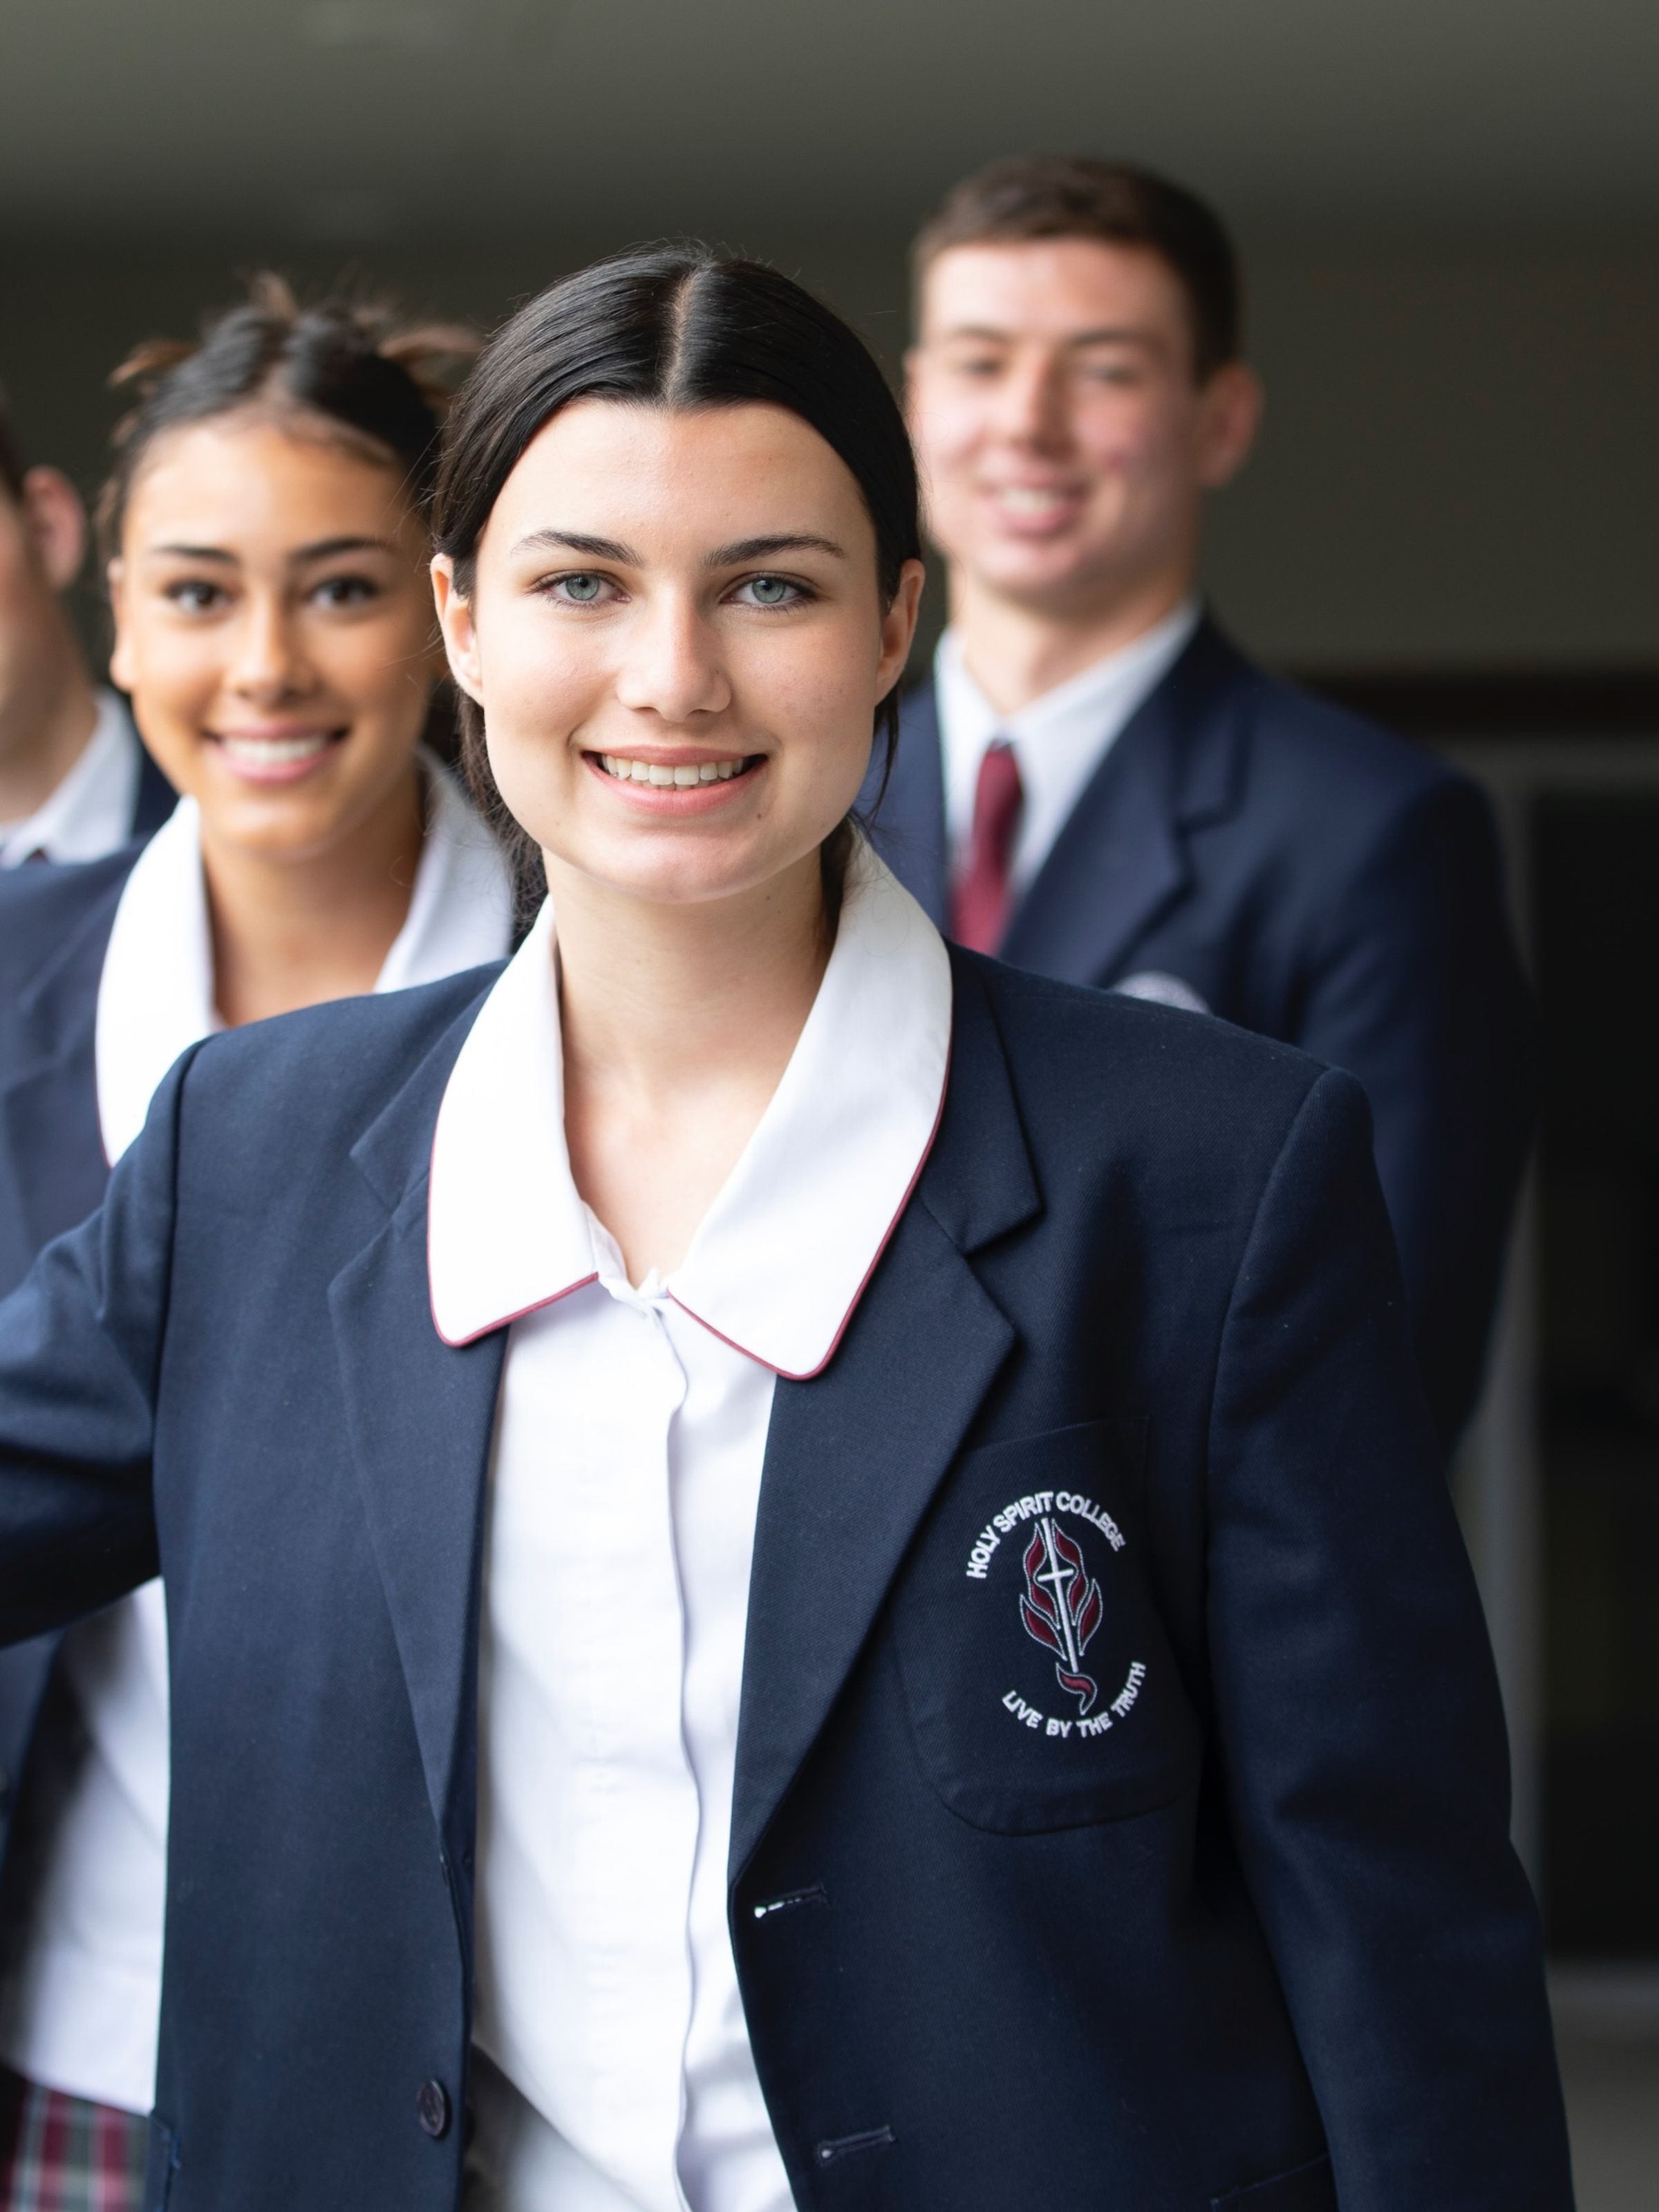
(432, 2105)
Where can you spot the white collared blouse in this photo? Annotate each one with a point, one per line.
(79, 2004)
(613, 2067)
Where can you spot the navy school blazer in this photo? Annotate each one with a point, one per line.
(1317, 880)
(55, 924)
(1202, 1898)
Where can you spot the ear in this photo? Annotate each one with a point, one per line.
(458, 630)
(57, 524)
(1229, 416)
(898, 627)
(123, 668)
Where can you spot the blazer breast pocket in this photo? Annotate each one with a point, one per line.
(1041, 1690)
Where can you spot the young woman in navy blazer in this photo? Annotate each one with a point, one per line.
(269, 558)
(801, 1569)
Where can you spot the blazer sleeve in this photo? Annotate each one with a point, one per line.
(81, 1341)
(1418, 991)
(1359, 1722)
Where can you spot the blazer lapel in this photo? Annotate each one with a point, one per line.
(1121, 858)
(907, 826)
(421, 1414)
(853, 1456)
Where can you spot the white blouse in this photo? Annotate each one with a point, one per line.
(613, 2070)
(79, 2010)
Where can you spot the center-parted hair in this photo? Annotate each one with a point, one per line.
(676, 326)
(350, 367)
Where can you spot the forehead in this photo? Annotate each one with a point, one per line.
(1050, 289)
(617, 469)
(257, 474)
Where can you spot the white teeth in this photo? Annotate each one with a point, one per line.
(272, 752)
(667, 779)
(1026, 501)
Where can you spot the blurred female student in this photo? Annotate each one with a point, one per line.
(803, 1571)
(266, 531)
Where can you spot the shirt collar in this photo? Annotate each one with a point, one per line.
(1059, 739)
(156, 996)
(90, 811)
(781, 1259)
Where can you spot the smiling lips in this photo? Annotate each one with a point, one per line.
(274, 756)
(1031, 509)
(662, 776)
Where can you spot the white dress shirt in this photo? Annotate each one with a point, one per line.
(90, 813)
(80, 2007)
(613, 2070)
(1058, 740)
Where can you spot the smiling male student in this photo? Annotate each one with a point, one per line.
(1097, 784)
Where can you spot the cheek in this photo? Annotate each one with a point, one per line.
(822, 704)
(538, 688)
(174, 671)
(949, 433)
(383, 670)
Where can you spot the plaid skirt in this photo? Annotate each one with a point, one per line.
(59, 2153)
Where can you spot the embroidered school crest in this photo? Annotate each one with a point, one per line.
(1060, 1606)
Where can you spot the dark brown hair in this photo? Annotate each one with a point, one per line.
(12, 465)
(380, 385)
(674, 326)
(1068, 196)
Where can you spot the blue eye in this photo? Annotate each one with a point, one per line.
(772, 592)
(584, 590)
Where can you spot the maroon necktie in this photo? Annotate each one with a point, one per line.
(979, 906)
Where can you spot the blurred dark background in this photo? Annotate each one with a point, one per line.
(1450, 214)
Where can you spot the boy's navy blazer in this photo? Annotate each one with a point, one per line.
(55, 924)
(1317, 880)
(1260, 1943)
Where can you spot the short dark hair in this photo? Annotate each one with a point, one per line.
(383, 385)
(674, 326)
(1070, 196)
(12, 465)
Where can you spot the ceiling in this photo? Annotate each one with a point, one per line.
(752, 120)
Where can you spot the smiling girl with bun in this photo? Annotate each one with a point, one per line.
(803, 1571)
(267, 543)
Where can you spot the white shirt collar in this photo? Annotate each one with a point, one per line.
(155, 997)
(1059, 739)
(90, 813)
(782, 1255)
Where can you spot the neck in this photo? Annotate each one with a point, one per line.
(1017, 650)
(678, 1021)
(46, 719)
(292, 932)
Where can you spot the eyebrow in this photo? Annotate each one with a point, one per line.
(324, 548)
(723, 557)
(1109, 334)
(763, 548)
(575, 541)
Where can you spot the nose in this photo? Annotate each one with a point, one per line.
(1031, 409)
(671, 666)
(269, 664)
